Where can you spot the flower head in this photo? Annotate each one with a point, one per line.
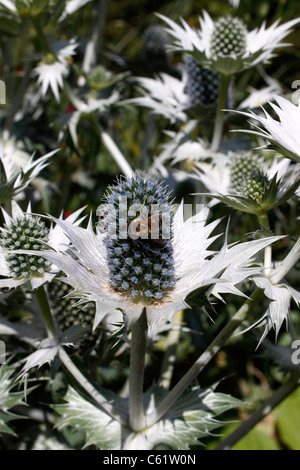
(226, 45)
(54, 67)
(133, 263)
(247, 181)
(26, 232)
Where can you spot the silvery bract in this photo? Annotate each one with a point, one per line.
(282, 132)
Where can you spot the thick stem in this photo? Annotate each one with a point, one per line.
(265, 227)
(204, 359)
(42, 299)
(40, 33)
(286, 265)
(170, 354)
(116, 153)
(284, 391)
(219, 121)
(136, 373)
(88, 387)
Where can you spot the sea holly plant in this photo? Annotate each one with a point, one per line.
(137, 253)
(139, 261)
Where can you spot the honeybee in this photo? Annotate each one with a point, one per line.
(147, 227)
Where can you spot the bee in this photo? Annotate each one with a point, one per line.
(147, 228)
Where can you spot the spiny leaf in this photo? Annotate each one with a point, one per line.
(101, 429)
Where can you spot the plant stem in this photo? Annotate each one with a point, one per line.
(88, 387)
(40, 33)
(219, 121)
(205, 358)
(284, 391)
(42, 299)
(286, 265)
(265, 227)
(116, 153)
(111, 147)
(136, 373)
(167, 367)
(95, 41)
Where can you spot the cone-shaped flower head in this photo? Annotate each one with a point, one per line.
(23, 238)
(202, 83)
(68, 314)
(25, 233)
(241, 167)
(229, 37)
(139, 243)
(255, 185)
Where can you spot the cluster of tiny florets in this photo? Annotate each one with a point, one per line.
(25, 233)
(139, 249)
(255, 185)
(247, 177)
(241, 167)
(229, 37)
(202, 83)
(68, 313)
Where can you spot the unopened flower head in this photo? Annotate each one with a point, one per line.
(255, 185)
(23, 238)
(202, 83)
(25, 233)
(241, 167)
(67, 313)
(229, 37)
(139, 240)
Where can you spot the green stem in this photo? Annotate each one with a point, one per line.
(284, 391)
(40, 33)
(168, 363)
(205, 358)
(219, 121)
(42, 299)
(265, 228)
(136, 373)
(286, 265)
(88, 387)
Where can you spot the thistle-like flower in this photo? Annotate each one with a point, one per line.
(149, 261)
(17, 168)
(248, 182)
(25, 232)
(179, 99)
(226, 45)
(282, 134)
(54, 66)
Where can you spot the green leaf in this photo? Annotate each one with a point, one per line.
(288, 419)
(100, 429)
(193, 417)
(8, 398)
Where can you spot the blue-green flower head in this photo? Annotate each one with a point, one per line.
(142, 241)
